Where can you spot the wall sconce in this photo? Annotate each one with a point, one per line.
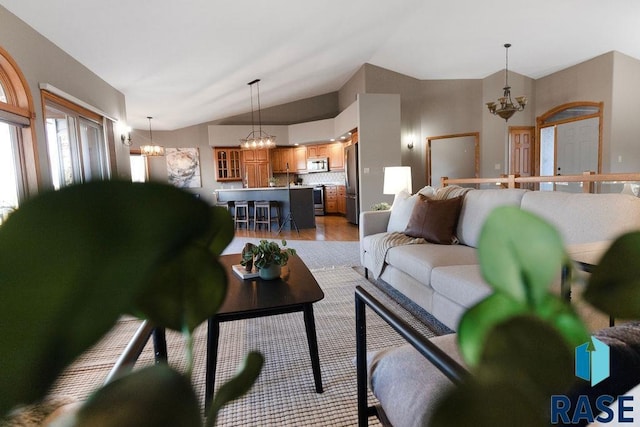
(410, 145)
(125, 134)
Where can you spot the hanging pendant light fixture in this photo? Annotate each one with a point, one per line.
(151, 149)
(259, 138)
(507, 107)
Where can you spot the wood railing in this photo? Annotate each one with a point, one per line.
(515, 181)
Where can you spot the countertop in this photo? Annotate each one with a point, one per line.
(293, 187)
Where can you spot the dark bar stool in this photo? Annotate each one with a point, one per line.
(241, 213)
(262, 213)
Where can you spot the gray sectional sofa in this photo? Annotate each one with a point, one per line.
(445, 280)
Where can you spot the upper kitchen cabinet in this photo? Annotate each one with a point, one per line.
(336, 156)
(300, 158)
(320, 150)
(255, 155)
(283, 159)
(227, 162)
(333, 151)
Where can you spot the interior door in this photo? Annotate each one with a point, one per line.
(521, 143)
(577, 150)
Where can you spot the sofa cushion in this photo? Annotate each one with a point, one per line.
(408, 385)
(583, 218)
(418, 260)
(461, 283)
(435, 220)
(476, 207)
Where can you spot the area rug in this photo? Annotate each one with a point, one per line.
(284, 394)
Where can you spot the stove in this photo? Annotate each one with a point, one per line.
(318, 200)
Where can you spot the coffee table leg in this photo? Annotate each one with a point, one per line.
(310, 326)
(213, 331)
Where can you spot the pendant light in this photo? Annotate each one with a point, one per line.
(259, 138)
(151, 149)
(507, 107)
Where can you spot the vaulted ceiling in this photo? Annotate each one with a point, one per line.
(188, 62)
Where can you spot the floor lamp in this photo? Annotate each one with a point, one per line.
(289, 217)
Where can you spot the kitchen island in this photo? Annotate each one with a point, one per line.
(298, 200)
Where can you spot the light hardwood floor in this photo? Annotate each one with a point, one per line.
(328, 227)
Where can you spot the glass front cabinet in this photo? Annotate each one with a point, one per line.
(227, 162)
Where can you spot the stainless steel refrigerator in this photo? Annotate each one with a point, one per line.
(351, 182)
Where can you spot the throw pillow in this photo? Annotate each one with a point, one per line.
(401, 211)
(435, 220)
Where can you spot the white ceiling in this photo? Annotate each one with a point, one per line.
(187, 62)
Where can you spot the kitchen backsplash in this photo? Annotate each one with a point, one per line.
(323, 178)
(307, 179)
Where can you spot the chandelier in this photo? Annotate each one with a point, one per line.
(507, 107)
(151, 149)
(257, 139)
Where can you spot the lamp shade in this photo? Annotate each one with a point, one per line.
(396, 179)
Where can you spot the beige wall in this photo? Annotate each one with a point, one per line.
(427, 108)
(624, 155)
(43, 62)
(591, 80)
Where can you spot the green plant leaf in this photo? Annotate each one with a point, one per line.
(221, 231)
(479, 320)
(486, 405)
(242, 381)
(532, 354)
(561, 315)
(520, 254)
(155, 396)
(614, 285)
(524, 361)
(71, 262)
(185, 290)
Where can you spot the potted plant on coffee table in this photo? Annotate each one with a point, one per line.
(268, 257)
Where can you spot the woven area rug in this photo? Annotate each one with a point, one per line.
(284, 393)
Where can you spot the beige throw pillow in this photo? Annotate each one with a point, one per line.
(401, 211)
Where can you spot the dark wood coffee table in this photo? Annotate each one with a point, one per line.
(296, 290)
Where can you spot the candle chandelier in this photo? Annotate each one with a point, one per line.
(259, 138)
(507, 108)
(151, 149)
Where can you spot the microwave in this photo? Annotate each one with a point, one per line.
(318, 164)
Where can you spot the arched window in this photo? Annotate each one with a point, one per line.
(18, 168)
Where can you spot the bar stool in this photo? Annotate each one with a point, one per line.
(228, 206)
(262, 213)
(241, 213)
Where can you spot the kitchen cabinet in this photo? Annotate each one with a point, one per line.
(227, 164)
(320, 150)
(255, 155)
(300, 158)
(257, 174)
(280, 158)
(341, 201)
(334, 152)
(330, 199)
(336, 156)
(255, 166)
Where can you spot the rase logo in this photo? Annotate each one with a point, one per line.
(593, 365)
(592, 361)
